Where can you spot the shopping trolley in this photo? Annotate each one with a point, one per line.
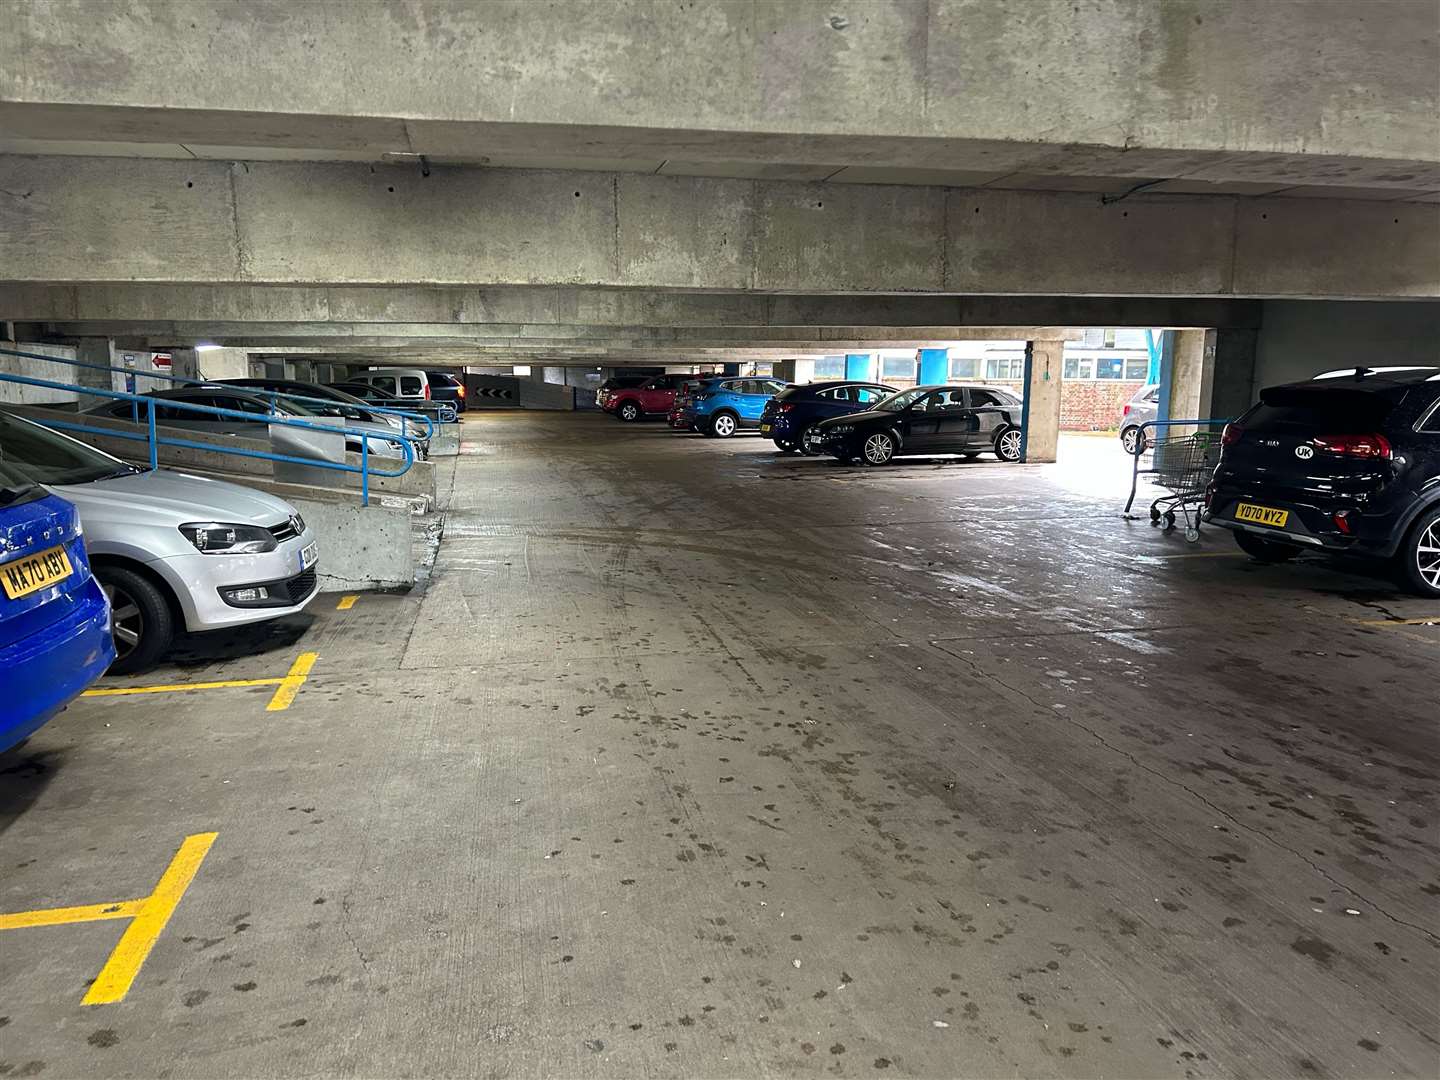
(1182, 465)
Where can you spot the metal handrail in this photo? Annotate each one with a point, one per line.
(185, 380)
(155, 440)
(1142, 444)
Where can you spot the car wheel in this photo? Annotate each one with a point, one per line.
(1133, 440)
(785, 446)
(878, 448)
(629, 412)
(1269, 551)
(1007, 445)
(1420, 556)
(140, 619)
(723, 425)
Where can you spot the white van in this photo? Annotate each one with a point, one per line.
(396, 382)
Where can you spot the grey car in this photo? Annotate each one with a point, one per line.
(172, 551)
(1140, 409)
(221, 396)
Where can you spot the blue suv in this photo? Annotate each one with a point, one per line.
(54, 618)
(792, 412)
(723, 406)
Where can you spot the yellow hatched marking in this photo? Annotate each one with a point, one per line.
(346, 603)
(290, 685)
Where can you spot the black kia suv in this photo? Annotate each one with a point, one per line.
(1347, 462)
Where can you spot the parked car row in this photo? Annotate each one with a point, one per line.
(850, 420)
(102, 563)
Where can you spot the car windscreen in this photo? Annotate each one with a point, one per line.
(1321, 410)
(903, 400)
(34, 454)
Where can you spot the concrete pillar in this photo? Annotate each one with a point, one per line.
(794, 371)
(934, 366)
(1044, 368)
(861, 367)
(1232, 386)
(729, 369)
(184, 363)
(98, 351)
(1190, 375)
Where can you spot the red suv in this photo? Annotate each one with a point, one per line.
(652, 398)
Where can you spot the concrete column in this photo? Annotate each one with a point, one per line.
(794, 371)
(184, 363)
(1232, 386)
(729, 369)
(99, 351)
(934, 366)
(1190, 376)
(861, 367)
(1044, 368)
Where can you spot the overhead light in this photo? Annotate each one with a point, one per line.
(207, 347)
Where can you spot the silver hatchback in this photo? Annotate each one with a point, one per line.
(174, 552)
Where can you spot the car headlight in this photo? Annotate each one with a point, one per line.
(217, 538)
(839, 429)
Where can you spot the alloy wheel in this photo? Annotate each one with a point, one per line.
(127, 622)
(724, 425)
(1131, 440)
(1009, 445)
(879, 448)
(1427, 555)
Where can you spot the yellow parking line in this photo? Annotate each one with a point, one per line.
(60, 916)
(174, 688)
(120, 970)
(149, 916)
(1433, 620)
(346, 603)
(290, 685)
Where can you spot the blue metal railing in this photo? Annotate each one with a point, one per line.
(154, 439)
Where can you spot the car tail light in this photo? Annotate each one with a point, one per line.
(1126, 412)
(427, 391)
(1209, 494)
(1361, 446)
(1342, 521)
(461, 391)
(1231, 435)
(785, 406)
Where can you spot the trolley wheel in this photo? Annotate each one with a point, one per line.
(1154, 515)
(1192, 536)
(1169, 520)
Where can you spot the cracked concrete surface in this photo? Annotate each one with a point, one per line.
(692, 759)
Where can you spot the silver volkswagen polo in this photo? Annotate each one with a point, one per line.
(173, 551)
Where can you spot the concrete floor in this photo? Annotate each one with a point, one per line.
(694, 760)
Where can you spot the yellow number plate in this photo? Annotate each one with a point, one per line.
(34, 572)
(1262, 515)
(764, 429)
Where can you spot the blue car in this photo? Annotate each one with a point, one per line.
(721, 407)
(790, 413)
(54, 618)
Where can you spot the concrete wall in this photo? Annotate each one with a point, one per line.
(361, 547)
(224, 363)
(13, 393)
(1297, 340)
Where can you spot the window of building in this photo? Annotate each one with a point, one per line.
(964, 367)
(898, 367)
(1001, 367)
(1137, 369)
(830, 367)
(1110, 367)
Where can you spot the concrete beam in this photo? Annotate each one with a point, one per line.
(1212, 90)
(536, 305)
(307, 224)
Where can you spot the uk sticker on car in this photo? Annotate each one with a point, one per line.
(308, 554)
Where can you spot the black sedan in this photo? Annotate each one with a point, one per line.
(1348, 462)
(794, 410)
(956, 419)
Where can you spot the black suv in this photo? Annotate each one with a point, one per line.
(1347, 462)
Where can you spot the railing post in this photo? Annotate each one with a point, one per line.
(364, 470)
(154, 442)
